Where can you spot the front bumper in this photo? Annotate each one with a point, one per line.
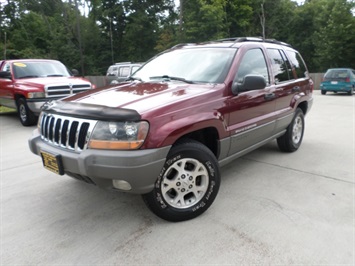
(139, 168)
(35, 105)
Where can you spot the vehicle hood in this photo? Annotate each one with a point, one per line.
(144, 97)
(50, 81)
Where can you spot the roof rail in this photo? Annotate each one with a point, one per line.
(234, 40)
(120, 63)
(182, 44)
(241, 39)
(252, 39)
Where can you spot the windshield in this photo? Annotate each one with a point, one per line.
(205, 65)
(39, 69)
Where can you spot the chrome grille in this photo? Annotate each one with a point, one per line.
(65, 89)
(66, 132)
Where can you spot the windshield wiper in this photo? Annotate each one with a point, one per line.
(28, 76)
(172, 78)
(133, 78)
(55, 75)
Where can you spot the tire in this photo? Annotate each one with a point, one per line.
(27, 117)
(292, 139)
(323, 92)
(187, 185)
(351, 91)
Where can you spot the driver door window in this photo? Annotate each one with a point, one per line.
(253, 63)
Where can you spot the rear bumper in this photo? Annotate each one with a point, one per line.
(337, 88)
(309, 104)
(139, 168)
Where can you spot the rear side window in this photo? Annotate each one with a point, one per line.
(253, 63)
(298, 64)
(124, 71)
(281, 67)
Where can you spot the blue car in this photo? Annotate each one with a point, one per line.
(338, 80)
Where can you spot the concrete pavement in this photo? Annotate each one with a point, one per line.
(272, 207)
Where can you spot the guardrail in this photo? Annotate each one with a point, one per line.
(101, 81)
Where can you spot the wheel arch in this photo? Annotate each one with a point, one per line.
(207, 136)
(205, 128)
(303, 106)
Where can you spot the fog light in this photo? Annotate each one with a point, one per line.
(121, 184)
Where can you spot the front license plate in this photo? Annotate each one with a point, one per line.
(52, 162)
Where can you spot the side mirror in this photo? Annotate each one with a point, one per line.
(75, 72)
(5, 75)
(250, 83)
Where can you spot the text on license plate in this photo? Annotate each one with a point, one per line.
(52, 162)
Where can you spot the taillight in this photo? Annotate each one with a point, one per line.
(311, 85)
(347, 79)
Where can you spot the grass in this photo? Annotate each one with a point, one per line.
(4, 109)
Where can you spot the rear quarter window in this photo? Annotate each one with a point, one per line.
(298, 64)
(280, 65)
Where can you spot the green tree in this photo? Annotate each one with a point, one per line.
(204, 20)
(335, 39)
(278, 15)
(239, 18)
(145, 21)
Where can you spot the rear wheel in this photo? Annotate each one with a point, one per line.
(27, 117)
(323, 92)
(351, 91)
(187, 185)
(292, 139)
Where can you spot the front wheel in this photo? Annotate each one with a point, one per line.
(27, 117)
(292, 139)
(187, 185)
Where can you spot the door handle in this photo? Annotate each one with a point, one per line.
(269, 96)
(296, 89)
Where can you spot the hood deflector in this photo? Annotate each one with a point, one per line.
(91, 111)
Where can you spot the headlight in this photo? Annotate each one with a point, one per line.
(39, 123)
(118, 135)
(32, 95)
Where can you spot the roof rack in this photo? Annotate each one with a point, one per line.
(182, 44)
(252, 39)
(120, 63)
(234, 40)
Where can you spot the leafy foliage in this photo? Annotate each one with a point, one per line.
(90, 35)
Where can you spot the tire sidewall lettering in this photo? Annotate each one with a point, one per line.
(203, 202)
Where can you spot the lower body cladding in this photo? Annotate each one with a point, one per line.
(131, 171)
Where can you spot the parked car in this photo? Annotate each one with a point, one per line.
(187, 112)
(338, 80)
(26, 84)
(121, 71)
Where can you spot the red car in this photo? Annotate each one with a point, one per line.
(26, 84)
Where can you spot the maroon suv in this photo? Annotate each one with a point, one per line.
(187, 112)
